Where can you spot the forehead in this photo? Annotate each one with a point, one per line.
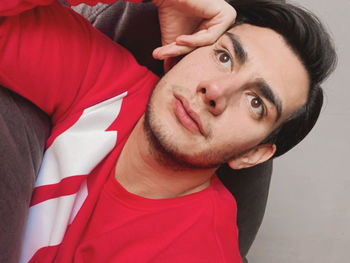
(271, 59)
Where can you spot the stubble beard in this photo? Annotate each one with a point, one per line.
(164, 149)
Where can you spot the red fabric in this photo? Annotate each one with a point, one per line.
(14, 7)
(90, 86)
(60, 62)
(66, 186)
(94, 2)
(129, 228)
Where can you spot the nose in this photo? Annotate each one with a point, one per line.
(215, 94)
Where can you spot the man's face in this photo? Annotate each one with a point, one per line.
(222, 100)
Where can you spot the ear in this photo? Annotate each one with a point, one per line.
(258, 154)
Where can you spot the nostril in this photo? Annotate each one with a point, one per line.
(212, 103)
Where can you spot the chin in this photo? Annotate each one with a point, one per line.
(165, 147)
(175, 147)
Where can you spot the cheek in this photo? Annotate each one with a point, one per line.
(192, 68)
(160, 101)
(237, 129)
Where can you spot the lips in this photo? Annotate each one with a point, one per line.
(187, 116)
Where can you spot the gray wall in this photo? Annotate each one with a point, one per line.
(308, 214)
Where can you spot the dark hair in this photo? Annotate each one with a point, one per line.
(309, 40)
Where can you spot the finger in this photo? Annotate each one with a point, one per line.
(202, 37)
(209, 31)
(171, 50)
(193, 40)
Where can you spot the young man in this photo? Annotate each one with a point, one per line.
(121, 184)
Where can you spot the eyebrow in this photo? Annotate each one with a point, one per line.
(240, 53)
(266, 91)
(263, 88)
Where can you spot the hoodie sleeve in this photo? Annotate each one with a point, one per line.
(55, 58)
(14, 7)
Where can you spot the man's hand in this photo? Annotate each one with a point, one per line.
(187, 24)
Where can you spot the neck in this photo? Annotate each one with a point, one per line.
(142, 173)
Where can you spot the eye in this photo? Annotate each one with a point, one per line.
(224, 58)
(256, 105)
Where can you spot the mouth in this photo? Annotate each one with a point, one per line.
(187, 116)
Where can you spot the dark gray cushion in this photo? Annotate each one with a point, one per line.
(23, 133)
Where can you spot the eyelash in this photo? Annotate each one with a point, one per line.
(263, 109)
(222, 51)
